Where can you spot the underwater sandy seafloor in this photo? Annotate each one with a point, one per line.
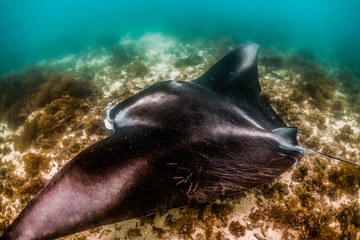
(54, 110)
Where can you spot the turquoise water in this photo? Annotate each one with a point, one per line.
(64, 63)
(32, 31)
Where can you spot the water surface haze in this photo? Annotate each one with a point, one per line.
(38, 30)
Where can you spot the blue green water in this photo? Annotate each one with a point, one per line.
(32, 31)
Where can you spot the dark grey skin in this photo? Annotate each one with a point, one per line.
(173, 143)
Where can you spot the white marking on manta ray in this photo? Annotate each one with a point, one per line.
(243, 114)
(123, 119)
(86, 200)
(109, 123)
(240, 131)
(176, 83)
(249, 53)
(233, 130)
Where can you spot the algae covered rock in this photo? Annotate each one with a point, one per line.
(44, 129)
(58, 86)
(121, 55)
(16, 91)
(189, 61)
(25, 92)
(35, 163)
(138, 69)
(237, 229)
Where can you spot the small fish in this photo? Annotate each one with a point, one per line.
(173, 143)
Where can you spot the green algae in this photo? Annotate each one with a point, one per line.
(32, 89)
(5, 150)
(189, 61)
(318, 90)
(345, 179)
(220, 236)
(16, 90)
(313, 142)
(223, 46)
(276, 62)
(274, 190)
(159, 232)
(137, 69)
(147, 220)
(338, 109)
(35, 163)
(318, 119)
(206, 214)
(121, 55)
(13, 187)
(284, 109)
(123, 93)
(316, 86)
(133, 233)
(306, 54)
(95, 126)
(183, 226)
(316, 180)
(221, 211)
(349, 85)
(298, 213)
(345, 134)
(237, 229)
(58, 86)
(349, 218)
(298, 63)
(301, 211)
(30, 188)
(45, 128)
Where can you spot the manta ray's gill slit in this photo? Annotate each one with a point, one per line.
(192, 190)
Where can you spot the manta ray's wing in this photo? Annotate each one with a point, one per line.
(112, 180)
(173, 143)
(236, 76)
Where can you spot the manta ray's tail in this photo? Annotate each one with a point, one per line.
(327, 155)
(287, 138)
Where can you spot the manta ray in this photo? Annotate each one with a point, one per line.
(173, 143)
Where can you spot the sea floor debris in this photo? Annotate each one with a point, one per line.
(49, 115)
